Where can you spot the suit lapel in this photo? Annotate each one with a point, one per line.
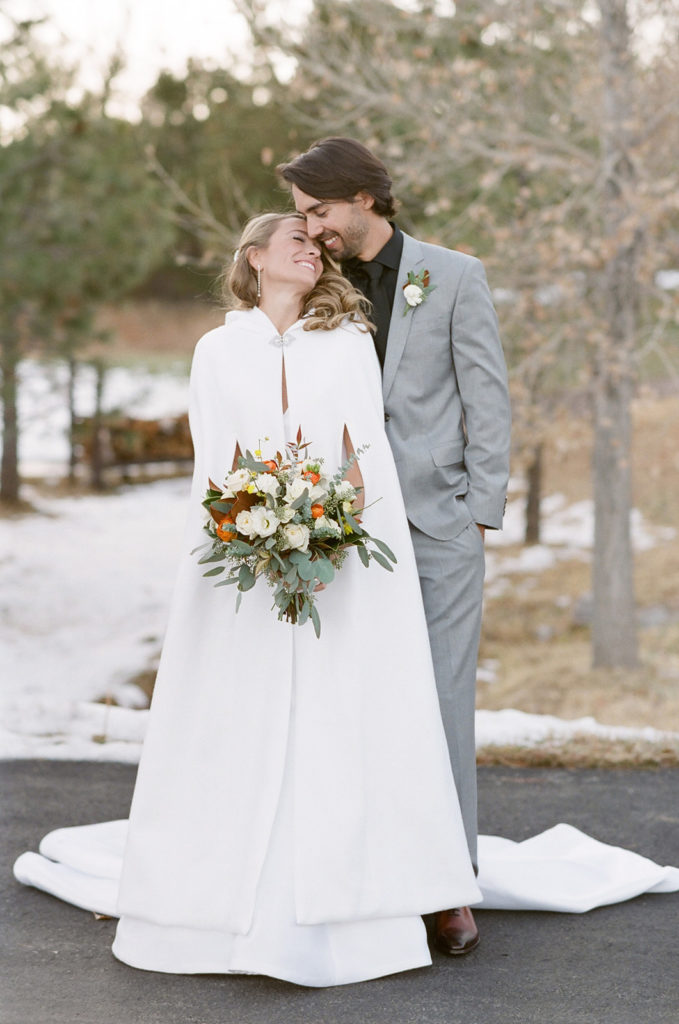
(412, 258)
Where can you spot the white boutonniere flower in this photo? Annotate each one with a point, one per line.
(416, 289)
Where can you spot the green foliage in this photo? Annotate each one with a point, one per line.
(82, 219)
(217, 140)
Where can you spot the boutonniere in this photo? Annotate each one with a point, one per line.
(416, 289)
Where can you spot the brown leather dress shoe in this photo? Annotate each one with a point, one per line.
(456, 932)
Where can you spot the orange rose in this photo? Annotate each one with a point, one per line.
(314, 477)
(271, 464)
(226, 530)
(317, 511)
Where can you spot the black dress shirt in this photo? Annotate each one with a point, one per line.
(377, 279)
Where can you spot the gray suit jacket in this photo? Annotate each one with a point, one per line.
(445, 395)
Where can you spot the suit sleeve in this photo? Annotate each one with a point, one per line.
(482, 381)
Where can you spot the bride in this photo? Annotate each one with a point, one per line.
(294, 813)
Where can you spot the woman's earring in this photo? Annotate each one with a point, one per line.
(259, 282)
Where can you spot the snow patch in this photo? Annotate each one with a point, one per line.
(510, 727)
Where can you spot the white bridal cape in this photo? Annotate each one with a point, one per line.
(295, 812)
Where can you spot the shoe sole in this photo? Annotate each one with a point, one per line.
(458, 952)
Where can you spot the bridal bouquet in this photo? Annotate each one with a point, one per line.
(285, 521)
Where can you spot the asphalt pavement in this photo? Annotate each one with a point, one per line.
(614, 965)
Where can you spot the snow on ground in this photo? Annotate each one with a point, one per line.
(85, 585)
(567, 533)
(43, 404)
(518, 728)
(84, 591)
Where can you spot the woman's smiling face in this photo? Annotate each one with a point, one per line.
(291, 257)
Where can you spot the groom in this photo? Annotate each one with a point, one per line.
(447, 419)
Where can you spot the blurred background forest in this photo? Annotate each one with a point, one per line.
(541, 137)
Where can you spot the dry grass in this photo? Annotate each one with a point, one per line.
(543, 655)
(585, 752)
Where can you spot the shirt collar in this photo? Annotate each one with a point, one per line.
(389, 255)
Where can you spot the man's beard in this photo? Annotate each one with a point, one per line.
(350, 241)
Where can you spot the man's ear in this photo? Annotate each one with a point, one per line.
(365, 200)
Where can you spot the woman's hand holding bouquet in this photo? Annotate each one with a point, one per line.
(285, 521)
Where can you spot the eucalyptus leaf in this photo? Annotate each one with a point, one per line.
(246, 578)
(216, 571)
(227, 582)
(363, 555)
(382, 561)
(239, 547)
(250, 462)
(212, 556)
(384, 548)
(239, 598)
(356, 527)
(315, 618)
(306, 570)
(325, 572)
(298, 502)
(208, 543)
(304, 613)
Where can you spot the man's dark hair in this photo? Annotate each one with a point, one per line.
(339, 168)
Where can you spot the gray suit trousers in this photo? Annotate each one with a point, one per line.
(451, 577)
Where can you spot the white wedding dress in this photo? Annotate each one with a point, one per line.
(295, 813)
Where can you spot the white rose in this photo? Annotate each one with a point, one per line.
(296, 488)
(413, 294)
(263, 521)
(236, 481)
(345, 490)
(296, 536)
(244, 523)
(285, 513)
(266, 483)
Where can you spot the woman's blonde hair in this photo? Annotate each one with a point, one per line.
(331, 300)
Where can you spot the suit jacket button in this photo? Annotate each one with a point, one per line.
(387, 417)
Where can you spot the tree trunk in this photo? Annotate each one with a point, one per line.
(72, 456)
(97, 463)
(614, 635)
(9, 468)
(534, 481)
